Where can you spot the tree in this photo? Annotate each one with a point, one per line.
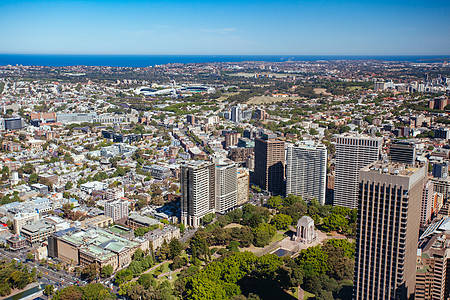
(262, 234)
(314, 261)
(123, 276)
(107, 271)
(72, 292)
(164, 251)
(49, 289)
(175, 248)
(335, 222)
(33, 178)
(208, 218)
(30, 256)
(281, 221)
(275, 202)
(90, 272)
(96, 291)
(69, 185)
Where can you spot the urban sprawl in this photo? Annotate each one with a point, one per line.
(249, 180)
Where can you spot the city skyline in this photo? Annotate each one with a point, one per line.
(235, 28)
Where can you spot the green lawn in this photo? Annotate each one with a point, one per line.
(277, 237)
(308, 295)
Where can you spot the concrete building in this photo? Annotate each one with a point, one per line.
(269, 163)
(306, 171)
(114, 193)
(427, 205)
(197, 184)
(36, 233)
(402, 152)
(225, 186)
(86, 246)
(353, 152)
(40, 188)
(440, 170)
(117, 209)
(387, 231)
(231, 138)
(432, 281)
(260, 114)
(101, 221)
(136, 220)
(243, 186)
(236, 114)
(158, 172)
(158, 236)
(91, 186)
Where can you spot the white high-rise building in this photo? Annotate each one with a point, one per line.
(306, 171)
(226, 186)
(197, 180)
(353, 152)
(236, 114)
(116, 209)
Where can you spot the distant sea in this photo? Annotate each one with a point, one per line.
(152, 60)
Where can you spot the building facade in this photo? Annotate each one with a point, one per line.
(402, 152)
(269, 164)
(226, 186)
(387, 231)
(117, 209)
(197, 180)
(353, 152)
(306, 171)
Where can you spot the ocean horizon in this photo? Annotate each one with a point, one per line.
(61, 60)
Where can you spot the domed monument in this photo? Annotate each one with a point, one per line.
(305, 230)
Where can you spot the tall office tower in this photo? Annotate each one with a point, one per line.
(269, 163)
(117, 209)
(236, 114)
(306, 171)
(353, 152)
(427, 206)
(432, 282)
(402, 152)
(197, 180)
(440, 170)
(226, 186)
(387, 231)
(190, 119)
(260, 114)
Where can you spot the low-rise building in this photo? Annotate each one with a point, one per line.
(158, 236)
(36, 233)
(86, 246)
(136, 221)
(101, 221)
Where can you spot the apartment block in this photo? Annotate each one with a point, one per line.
(306, 171)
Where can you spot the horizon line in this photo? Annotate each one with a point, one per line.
(113, 54)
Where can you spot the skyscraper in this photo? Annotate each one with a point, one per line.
(402, 152)
(226, 186)
(306, 171)
(197, 180)
(387, 231)
(269, 163)
(353, 152)
(236, 114)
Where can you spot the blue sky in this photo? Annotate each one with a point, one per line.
(226, 27)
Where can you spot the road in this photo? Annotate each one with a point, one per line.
(60, 279)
